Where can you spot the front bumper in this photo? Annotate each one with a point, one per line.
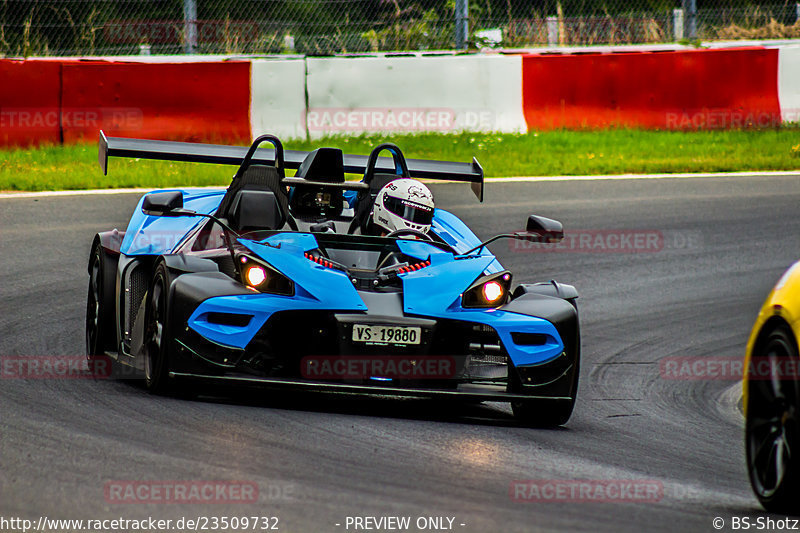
(314, 350)
(528, 340)
(266, 337)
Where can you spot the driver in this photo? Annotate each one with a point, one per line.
(403, 203)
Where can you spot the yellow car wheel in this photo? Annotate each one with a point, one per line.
(771, 426)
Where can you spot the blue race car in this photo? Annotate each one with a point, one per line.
(272, 282)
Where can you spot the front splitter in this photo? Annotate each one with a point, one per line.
(466, 391)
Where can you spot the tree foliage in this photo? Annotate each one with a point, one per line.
(84, 27)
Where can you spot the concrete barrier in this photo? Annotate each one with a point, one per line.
(789, 83)
(278, 98)
(414, 94)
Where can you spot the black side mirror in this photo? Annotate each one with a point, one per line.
(538, 229)
(165, 204)
(543, 229)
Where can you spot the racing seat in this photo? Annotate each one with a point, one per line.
(239, 208)
(376, 181)
(254, 210)
(315, 201)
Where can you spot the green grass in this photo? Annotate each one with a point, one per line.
(533, 154)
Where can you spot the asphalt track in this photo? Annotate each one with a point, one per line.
(319, 459)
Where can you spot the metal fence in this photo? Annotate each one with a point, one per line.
(320, 27)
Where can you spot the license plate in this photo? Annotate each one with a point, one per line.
(386, 334)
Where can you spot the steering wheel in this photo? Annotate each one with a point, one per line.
(409, 231)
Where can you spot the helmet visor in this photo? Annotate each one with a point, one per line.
(415, 213)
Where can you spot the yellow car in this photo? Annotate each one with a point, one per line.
(771, 398)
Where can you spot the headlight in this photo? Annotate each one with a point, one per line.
(263, 278)
(488, 291)
(255, 275)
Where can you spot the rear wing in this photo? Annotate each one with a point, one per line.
(233, 155)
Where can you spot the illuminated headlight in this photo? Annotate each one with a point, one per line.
(264, 278)
(492, 291)
(255, 275)
(488, 291)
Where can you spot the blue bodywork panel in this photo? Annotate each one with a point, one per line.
(455, 233)
(151, 235)
(328, 287)
(260, 307)
(433, 291)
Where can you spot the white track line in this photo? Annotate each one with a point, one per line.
(525, 179)
(90, 192)
(777, 173)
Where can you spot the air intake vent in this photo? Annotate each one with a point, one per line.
(529, 339)
(229, 319)
(137, 289)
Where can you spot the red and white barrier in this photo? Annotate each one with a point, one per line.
(232, 101)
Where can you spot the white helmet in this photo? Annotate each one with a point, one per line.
(403, 204)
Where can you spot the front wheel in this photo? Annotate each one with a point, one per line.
(157, 335)
(550, 413)
(544, 412)
(771, 426)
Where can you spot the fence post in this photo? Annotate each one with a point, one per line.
(189, 26)
(462, 24)
(690, 27)
(552, 31)
(677, 24)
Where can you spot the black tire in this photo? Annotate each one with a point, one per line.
(99, 318)
(157, 334)
(771, 426)
(544, 413)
